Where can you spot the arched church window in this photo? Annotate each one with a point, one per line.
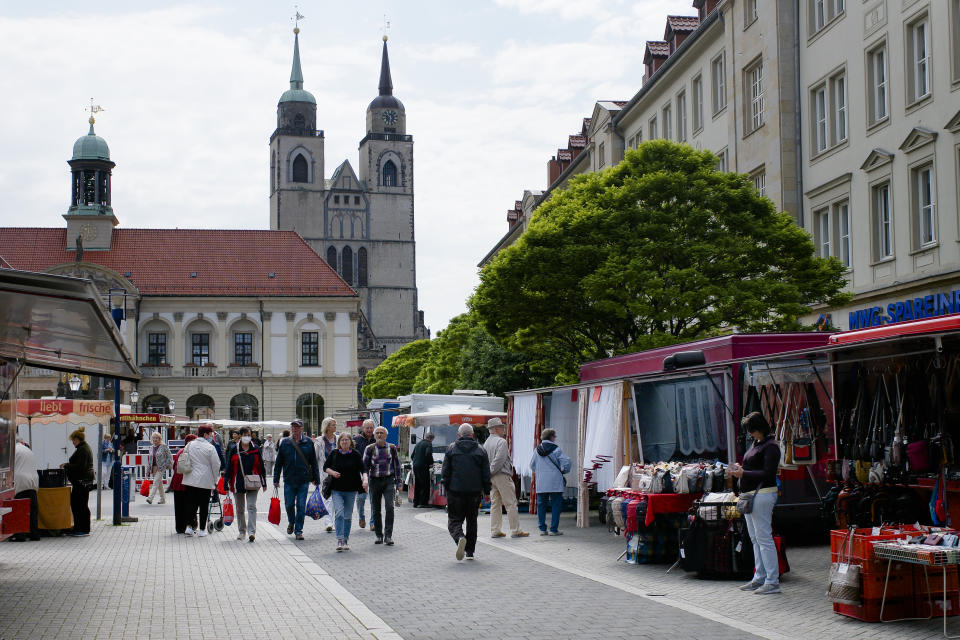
(300, 169)
(362, 267)
(332, 257)
(389, 174)
(299, 123)
(347, 265)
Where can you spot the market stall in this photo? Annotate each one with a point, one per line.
(46, 424)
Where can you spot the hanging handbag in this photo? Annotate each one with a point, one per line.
(844, 584)
(803, 446)
(273, 514)
(326, 488)
(745, 502)
(918, 455)
(222, 486)
(184, 463)
(251, 481)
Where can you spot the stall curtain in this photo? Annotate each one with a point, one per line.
(563, 418)
(583, 490)
(524, 432)
(604, 419)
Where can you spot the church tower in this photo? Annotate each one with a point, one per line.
(90, 216)
(296, 158)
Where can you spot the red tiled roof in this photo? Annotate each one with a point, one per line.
(619, 103)
(564, 154)
(576, 142)
(4, 264)
(656, 48)
(160, 261)
(683, 23)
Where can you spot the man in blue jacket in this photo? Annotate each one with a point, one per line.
(297, 460)
(549, 464)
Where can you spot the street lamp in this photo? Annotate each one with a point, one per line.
(134, 396)
(171, 405)
(74, 383)
(246, 411)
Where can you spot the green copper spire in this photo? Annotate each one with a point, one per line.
(296, 75)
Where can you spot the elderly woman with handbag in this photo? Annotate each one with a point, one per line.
(758, 496)
(245, 476)
(158, 462)
(324, 444)
(345, 466)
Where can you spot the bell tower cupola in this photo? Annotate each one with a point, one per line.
(297, 109)
(386, 113)
(90, 216)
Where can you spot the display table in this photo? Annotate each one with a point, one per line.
(660, 503)
(53, 508)
(925, 556)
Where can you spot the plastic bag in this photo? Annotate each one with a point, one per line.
(145, 488)
(273, 514)
(222, 486)
(227, 511)
(315, 507)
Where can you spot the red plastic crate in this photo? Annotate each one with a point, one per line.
(900, 585)
(861, 548)
(935, 577)
(869, 610)
(922, 604)
(18, 520)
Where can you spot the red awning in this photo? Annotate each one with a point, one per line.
(942, 324)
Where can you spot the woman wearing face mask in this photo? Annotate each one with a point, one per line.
(245, 464)
(202, 477)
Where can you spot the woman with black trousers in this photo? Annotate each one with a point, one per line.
(80, 474)
(758, 475)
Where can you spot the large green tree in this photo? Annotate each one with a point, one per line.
(661, 248)
(394, 376)
(484, 364)
(441, 369)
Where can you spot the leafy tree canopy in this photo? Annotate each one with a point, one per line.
(394, 376)
(660, 249)
(440, 372)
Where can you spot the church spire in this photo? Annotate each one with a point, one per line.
(386, 83)
(296, 75)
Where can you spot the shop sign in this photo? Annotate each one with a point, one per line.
(60, 406)
(931, 306)
(147, 418)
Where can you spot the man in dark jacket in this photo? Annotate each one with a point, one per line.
(422, 459)
(297, 459)
(466, 477)
(80, 474)
(360, 443)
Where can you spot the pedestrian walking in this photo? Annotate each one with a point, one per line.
(360, 443)
(549, 464)
(466, 478)
(422, 461)
(106, 461)
(245, 477)
(345, 465)
(158, 461)
(324, 444)
(758, 475)
(80, 474)
(181, 500)
(503, 493)
(25, 485)
(269, 454)
(297, 461)
(382, 464)
(201, 479)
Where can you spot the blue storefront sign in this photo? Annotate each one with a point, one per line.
(931, 306)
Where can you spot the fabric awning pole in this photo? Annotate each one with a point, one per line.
(636, 423)
(731, 427)
(583, 496)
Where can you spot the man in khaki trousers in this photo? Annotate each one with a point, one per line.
(502, 491)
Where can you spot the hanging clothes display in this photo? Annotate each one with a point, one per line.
(563, 418)
(524, 429)
(604, 414)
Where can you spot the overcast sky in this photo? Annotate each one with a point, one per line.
(491, 89)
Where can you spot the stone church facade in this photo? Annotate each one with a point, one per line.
(360, 220)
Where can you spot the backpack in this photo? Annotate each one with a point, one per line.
(184, 463)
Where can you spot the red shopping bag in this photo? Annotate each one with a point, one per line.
(227, 511)
(222, 486)
(145, 488)
(273, 515)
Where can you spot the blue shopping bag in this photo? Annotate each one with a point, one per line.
(315, 507)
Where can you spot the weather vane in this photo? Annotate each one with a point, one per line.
(93, 109)
(297, 17)
(386, 27)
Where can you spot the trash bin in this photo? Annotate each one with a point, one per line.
(126, 482)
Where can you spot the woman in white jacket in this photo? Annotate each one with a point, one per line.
(202, 477)
(323, 444)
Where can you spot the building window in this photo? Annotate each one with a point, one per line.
(924, 205)
(749, 12)
(696, 92)
(918, 59)
(300, 169)
(310, 349)
(718, 83)
(243, 348)
(822, 219)
(346, 265)
(389, 174)
(356, 199)
(822, 12)
(877, 81)
(362, 267)
(955, 38)
(838, 96)
(667, 117)
(820, 119)
(754, 79)
(652, 127)
(842, 215)
(722, 161)
(759, 178)
(332, 257)
(882, 221)
(829, 110)
(682, 117)
(200, 349)
(156, 349)
(336, 199)
(601, 155)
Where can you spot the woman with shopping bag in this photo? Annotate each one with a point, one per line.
(324, 444)
(345, 466)
(158, 462)
(245, 477)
